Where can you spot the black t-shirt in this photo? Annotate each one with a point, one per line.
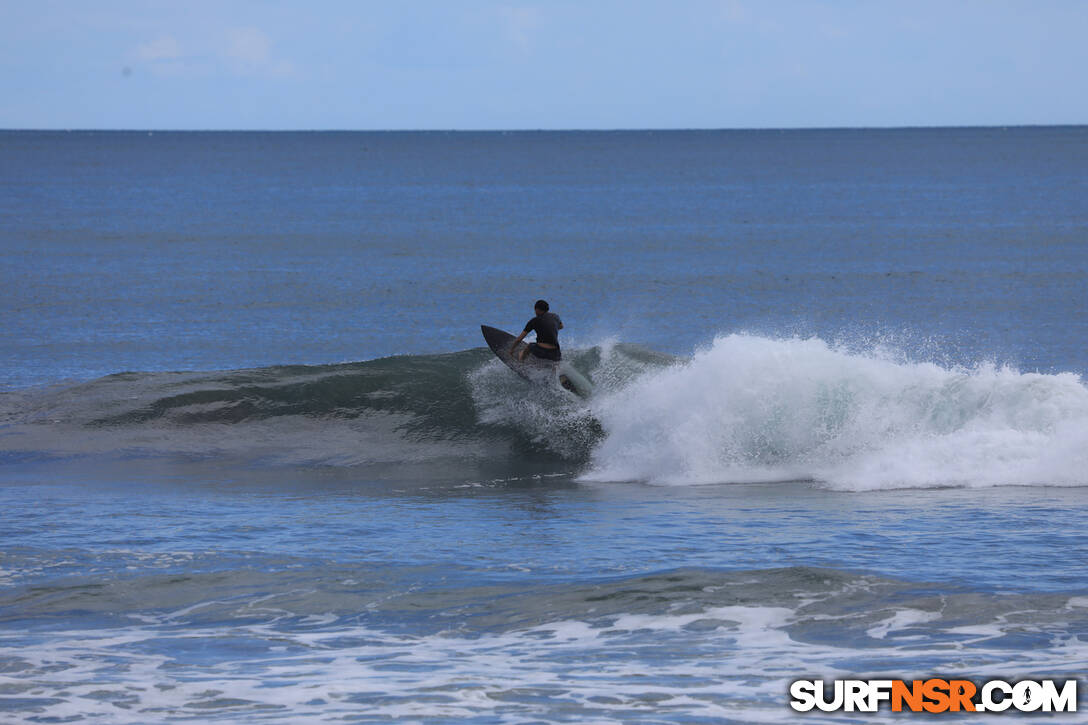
(547, 328)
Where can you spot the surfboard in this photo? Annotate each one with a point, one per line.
(532, 368)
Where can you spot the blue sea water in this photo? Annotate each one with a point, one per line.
(256, 463)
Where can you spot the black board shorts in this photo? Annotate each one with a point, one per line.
(545, 352)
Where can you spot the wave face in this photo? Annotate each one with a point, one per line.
(744, 409)
(756, 409)
(392, 410)
(447, 410)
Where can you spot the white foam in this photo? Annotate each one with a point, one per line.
(736, 664)
(757, 409)
(901, 620)
(549, 415)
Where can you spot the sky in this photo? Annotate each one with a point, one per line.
(556, 64)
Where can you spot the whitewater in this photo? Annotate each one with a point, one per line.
(756, 409)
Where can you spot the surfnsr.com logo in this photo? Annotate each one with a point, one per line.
(934, 695)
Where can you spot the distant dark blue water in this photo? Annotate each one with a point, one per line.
(256, 464)
(163, 251)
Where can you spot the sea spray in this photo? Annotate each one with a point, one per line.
(556, 421)
(756, 409)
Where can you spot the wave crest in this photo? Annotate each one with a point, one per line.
(756, 409)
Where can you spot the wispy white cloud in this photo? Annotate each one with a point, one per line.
(249, 45)
(734, 12)
(249, 51)
(164, 47)
(237, 51)
(519, 23)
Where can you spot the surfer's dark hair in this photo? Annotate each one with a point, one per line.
(541, 305)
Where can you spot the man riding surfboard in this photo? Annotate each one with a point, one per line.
(547, 326)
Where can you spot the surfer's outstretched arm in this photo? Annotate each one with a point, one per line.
(520, 337)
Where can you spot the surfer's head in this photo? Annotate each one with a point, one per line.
(540, 306)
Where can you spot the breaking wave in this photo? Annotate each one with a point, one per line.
(757, 409)
(746, 408)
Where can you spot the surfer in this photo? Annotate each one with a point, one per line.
(547, 326)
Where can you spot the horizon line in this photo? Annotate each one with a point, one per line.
(678, 129)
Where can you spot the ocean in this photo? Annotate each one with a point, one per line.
(258, 465)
